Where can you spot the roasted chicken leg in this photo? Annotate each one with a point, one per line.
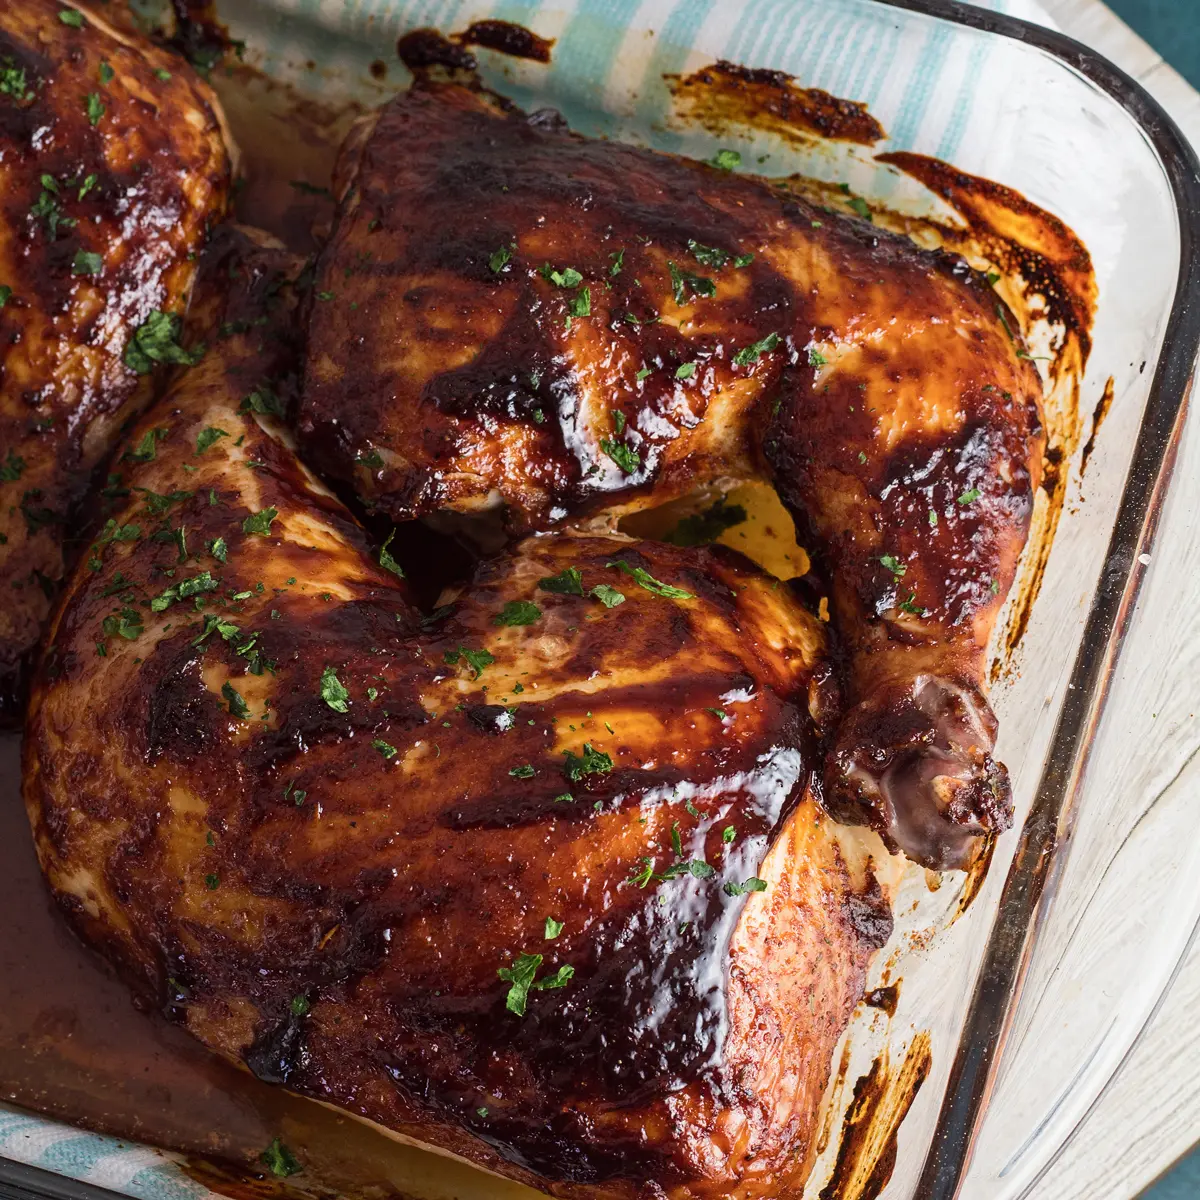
(540, 880)
(512, 314)
(112, 165)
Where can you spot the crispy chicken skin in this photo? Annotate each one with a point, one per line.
(510, 312)
(112, 164)
(316, 828)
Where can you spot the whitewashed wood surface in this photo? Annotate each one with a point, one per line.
(1149, 1116)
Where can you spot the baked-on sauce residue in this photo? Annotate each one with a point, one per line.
(423, 49)
(725, 93)
(1098, 414)
(882, 1098)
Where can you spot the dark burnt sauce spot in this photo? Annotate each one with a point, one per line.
(725, 93)
(1103, 405)
(882, 1097)
(884, 998)
(422, 49)
(507, 38)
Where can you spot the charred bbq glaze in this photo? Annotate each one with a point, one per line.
(112, 164)
(508, 313)
(315, 826)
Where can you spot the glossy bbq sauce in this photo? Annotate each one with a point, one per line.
(73, 1046)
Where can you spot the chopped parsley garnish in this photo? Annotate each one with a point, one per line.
(125, 622)
(94, 107)
(260, 522)
(525, 771)
(685, 370)
(644, 579)
(207, 436)
(333, 692)
(156, 340)
(893, 564)
(568, 277)
(370, 458)
(213, 623)
(581, 305)
(237, 706)
(262, 400)
(86, 262)
(700, 529)
(385, 748)
(218, 549)
(618, 257)
(970, 496)
(753, 884)
(386, 561)
(106, 72)
(185, 588)
(300, 1006)
(71, 17)
(522, 976)
(88, 183)
(475, 659)
(859, 206)
(46, 209)
(11, 468)
(553, 929)
(500, 258)
(517, 612)
(709, 256)
(726, 160)
(697, 868)
(748, 354)
(158, 503)
(146, 447)
(212, 882)
(684, 283)
(719, 713)
(933, 519)
(643, 373)
(608, 596)
(5, 294)
(993, 278)
(12, 80)
(628, 459)
(280, 1161)
(728, 834)
(568, 582)
(816, 358)
(591, 762)
(909, 605)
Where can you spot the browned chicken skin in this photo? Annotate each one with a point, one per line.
(112, 164)
(540, 880)
(511, 313)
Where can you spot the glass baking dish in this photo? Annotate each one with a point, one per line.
(1029, 997)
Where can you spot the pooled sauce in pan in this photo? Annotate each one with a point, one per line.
(73, 1046)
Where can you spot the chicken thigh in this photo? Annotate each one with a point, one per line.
(508, 313)
(112, 166)
(539, 879)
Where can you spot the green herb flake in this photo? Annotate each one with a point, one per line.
(628, 459)
(618, 257)
(525, 771)
(644, 373)
(644, 579)
(608, 596)
(86, 262)
(333, 692)
(156, 340)
(237, 706)
(475, 659)
(212, 882)
(568, 582)
(125, 623)
(684, 284)
(500, 259)
(893, 564)
(748, 354)
(12, 468)
(553, 929)
(933, 519)
(753, 884)
(591, 762)
(726, 160)
(517, 612)
(581, 304)
(719, 713)
(260, 522)
(685, 370)
(5, 294)
(701, 529)
(387, 750)
(386, 561)
(709, 256)
(94, 107)
(71, 17)
(970, 496)
(728, 834)
(162, 73)
(300, 1006)
(280, 1161)
(185, 588)
(568, 277)
(816, 358)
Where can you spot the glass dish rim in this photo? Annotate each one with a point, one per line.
(1029, 885)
